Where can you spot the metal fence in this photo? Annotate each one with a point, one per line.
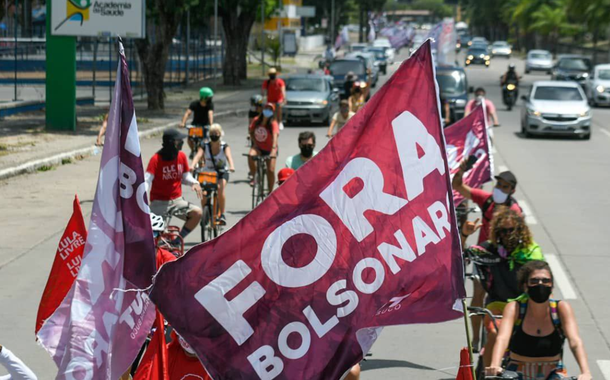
(23, 63)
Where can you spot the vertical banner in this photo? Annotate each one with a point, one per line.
(467, 137)
(99, 328)
(360, 237)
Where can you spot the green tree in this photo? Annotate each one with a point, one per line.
(551, 20)
(594, 15)
(163, 18)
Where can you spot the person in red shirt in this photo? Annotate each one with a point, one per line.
(275, 89)
(183, 363)
(167, 170)
(264, 134)
(502, 195)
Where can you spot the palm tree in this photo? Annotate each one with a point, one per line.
(552, 21)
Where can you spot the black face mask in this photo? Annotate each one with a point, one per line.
(214, 138)
(169, 152)
(539, 293)
(272, 77)
(306, 151)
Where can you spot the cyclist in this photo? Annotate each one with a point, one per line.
(17, 370)
(216, 155)
(490, 109)
(348, 84)
(256, 107)
(534, 329)
(264, 134)
(275, 90)
(167, 170)
(510, 245)
(359, 96)
(203, 113)
(307, 145)
(340, 118)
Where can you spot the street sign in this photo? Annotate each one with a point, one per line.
(125, 18)
(306, 11)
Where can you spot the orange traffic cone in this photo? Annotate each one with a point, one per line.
(465, 371)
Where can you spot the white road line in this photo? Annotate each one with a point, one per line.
(604, 366)
(562, 280)
(529, 215)
(502, 168)
(605, 132)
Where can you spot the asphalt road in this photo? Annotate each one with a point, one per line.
(562, 183)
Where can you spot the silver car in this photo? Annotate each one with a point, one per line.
(556, 107)
(538, 60)
(501, 49)
(310, 99)
(598, 86)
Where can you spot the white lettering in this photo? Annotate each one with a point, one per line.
(128, 178)
(389, 252)
(320, 328)
(441, 222)
(287, 276)
(141, 198)
(132, 143)
(335, 298)
(351, 209)
(410, 133)
(423, 235)
(230, 313)
(266, 365)
(377, 266)
(282, 340)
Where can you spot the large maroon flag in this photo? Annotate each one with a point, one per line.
(362, 236)
(465, 138)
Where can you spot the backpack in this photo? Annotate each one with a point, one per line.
(489, 202)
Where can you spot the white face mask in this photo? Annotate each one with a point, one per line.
(499, 196)
(185, 346)
(480, 98)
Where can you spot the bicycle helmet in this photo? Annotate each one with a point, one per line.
(256, 100)
(205, 93)
(157, 223)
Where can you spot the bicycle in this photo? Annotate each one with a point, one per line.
(258, 190)
(197, 134)
(511, 375)
(171, 234)
(208, 180)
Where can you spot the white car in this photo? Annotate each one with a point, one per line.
(556, 107)
(501, 49)
(598, 85)
(390, 53)
(538, 60)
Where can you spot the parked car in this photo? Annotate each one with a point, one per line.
(357, 47)
(477, 55)
(501, 49)
(572, 67)
(556, 107)
(339, 69)
(453, 87)
(539, 60)
(310, 98)
(381, 60)
(388, 50)
(369, 60)
(598, 86)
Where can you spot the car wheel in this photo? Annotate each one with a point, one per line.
(586, 136)
(527, 71)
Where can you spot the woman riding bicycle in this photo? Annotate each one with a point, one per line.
(216, 156)
(264, 134)
(497, 261)
(534, 328)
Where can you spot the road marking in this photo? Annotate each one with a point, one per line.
(605, 132)
(562, 280)
(529, 215)
(502, 168)
(604, 366)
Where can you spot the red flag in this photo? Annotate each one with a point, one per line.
(465, 371)
(469, 137)
(154, 363)
(360, 237)
(65, 267)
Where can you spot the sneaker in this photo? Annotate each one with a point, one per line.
(222, 221)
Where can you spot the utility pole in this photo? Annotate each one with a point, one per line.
(332, 23)
(263, 36)
(215, 40)
(188, 46)
(279, 32)
(15, 51)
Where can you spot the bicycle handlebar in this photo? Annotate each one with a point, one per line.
(258, 157)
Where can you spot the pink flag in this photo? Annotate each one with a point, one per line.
(467, 137)
(98, 329)
(362, 236)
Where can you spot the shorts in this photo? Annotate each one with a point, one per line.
(179, 206)
(538, 371)
(496, 308)
(265, 152)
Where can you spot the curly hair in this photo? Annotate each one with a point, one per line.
(522, 231)
(530, 267)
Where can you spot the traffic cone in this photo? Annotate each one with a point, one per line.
(465, 371)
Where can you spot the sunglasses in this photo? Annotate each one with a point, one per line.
(311, 146)
(505, 230)
(540, 280)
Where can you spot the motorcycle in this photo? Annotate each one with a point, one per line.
(509, 94)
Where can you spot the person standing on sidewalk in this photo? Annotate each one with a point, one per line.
(275, 90)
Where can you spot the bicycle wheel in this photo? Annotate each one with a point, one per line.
(204, 223)
(255, 188)
(260, 195)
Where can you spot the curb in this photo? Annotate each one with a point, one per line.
(55, 160)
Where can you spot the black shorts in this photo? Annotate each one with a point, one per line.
(223, 175)
(265, 152)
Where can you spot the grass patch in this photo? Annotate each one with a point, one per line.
(45, 168)
(3, 147)
(66, 161)
(142, 120)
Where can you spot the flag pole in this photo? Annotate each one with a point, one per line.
(469, 340)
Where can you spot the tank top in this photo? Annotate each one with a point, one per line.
(219, 161)
(533, 346)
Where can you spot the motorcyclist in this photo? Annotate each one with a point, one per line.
(203, 114)
(510, 76)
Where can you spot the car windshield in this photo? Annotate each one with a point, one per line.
(574, 64)
(500, 44)
(477, 51)
(358, 47)
(451, 83)
(305, 84)
(540, 56)
(343, 67)
(603, 74)
(379, 52)
(557, 93)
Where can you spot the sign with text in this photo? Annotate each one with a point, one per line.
(360, 237)
(125, 18)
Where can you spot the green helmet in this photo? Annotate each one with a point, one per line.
(205, 93)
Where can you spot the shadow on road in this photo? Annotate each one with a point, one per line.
(521, 135)
(371, 364)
